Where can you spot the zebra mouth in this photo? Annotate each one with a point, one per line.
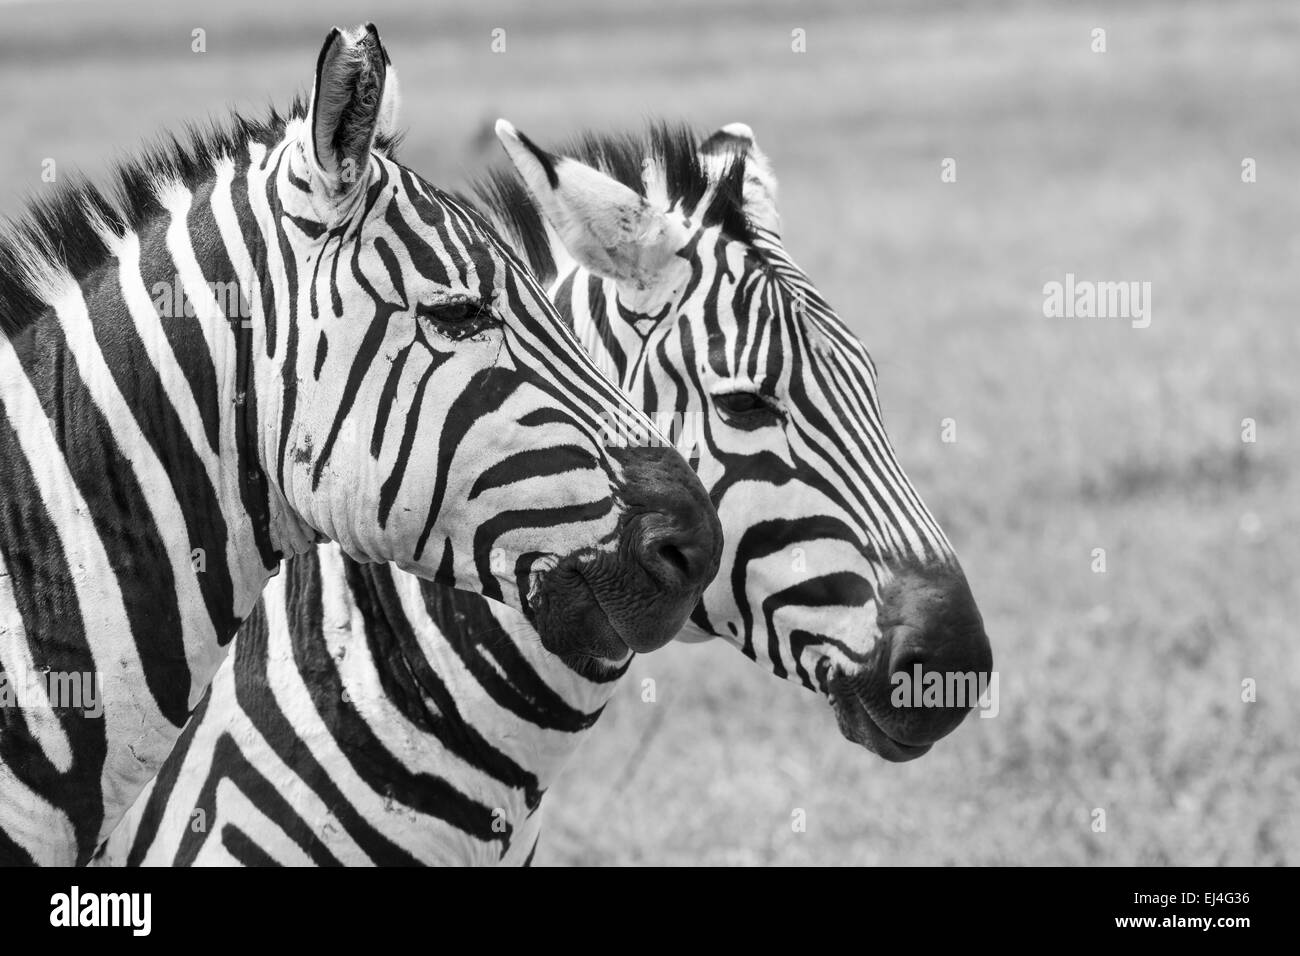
(571, 620)
(852, 711)
(633, 598)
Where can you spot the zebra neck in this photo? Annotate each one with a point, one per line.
(127, 554)
(457, 686)
(500, 648)
(472, 673)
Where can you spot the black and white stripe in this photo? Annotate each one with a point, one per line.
(400, 385)
(317, 744)
(455, 716)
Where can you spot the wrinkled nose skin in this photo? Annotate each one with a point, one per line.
(669, 549)
(670, 525)
(672, 545)
(929, 625)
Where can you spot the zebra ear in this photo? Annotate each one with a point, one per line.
(349, 99)
(737, 140)
(604, 225)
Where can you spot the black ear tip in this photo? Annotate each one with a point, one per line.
(333, 37)
(530, 145)
(372, 31)
(543, 157)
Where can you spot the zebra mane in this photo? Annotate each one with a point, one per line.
(674, 148)
(67, 233)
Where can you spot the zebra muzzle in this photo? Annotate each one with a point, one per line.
(637, 596)
(931, 666)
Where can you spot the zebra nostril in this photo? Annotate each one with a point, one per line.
(906, 663)
(675, 535)
(674, 559)
(939, 646)
(671, 554)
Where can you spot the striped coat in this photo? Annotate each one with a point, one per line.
(437, 743)
(387, 375)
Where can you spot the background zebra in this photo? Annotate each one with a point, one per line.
(438, 744)
(400, 384)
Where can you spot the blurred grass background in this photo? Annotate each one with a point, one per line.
(1121, 690)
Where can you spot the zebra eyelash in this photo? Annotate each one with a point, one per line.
(747, 408)
(460, 316)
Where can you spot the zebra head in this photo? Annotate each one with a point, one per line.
(668, 255)
(424, 404)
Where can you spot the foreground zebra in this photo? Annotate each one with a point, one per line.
(436, 742)
(403, 388)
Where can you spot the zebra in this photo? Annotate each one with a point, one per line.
(400, 386)
(437, 742)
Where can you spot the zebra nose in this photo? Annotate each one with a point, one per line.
(672, 528)
(939, 658)
(674, 555)
(671, 542)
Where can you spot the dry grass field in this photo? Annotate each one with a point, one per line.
(1119, 690)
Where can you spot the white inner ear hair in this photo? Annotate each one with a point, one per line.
(390, 106)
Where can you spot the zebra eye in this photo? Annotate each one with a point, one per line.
(454, 311)
(457, 318)
(745, 409)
